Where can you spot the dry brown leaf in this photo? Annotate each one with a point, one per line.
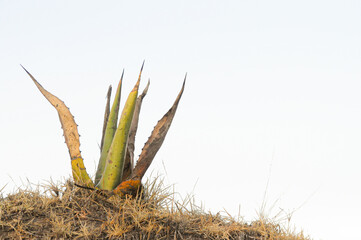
(71, 135)
(156, 139)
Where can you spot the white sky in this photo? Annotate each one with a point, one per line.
(273, 93)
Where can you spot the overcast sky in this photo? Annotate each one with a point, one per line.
(273, 95)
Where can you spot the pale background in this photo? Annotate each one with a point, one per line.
(273, 94)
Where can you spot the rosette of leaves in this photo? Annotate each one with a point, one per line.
(116, 171)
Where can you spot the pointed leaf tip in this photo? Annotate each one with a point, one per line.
(138, 82)
(142, 65)
(109, 93)
(23, 68)
(27, 72)
(145, 89)
(122, 74)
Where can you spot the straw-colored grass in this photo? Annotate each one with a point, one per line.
(65, 211)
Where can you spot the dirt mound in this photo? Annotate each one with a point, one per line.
(69, 212)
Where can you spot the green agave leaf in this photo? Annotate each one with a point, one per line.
(115, 160)
(111, 127)
(106, 116)
(71, 135)
(156, 139)
(129, 159)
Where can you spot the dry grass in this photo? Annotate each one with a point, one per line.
(64, 211)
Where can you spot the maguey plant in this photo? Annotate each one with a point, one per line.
(116, 171)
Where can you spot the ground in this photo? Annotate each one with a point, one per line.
(65, 211)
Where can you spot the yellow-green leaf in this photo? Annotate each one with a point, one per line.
(106, 116)
(129, 159)
(115, 160)
(71, 135)
(111, 127)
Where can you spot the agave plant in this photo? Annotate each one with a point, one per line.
(116, 171)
